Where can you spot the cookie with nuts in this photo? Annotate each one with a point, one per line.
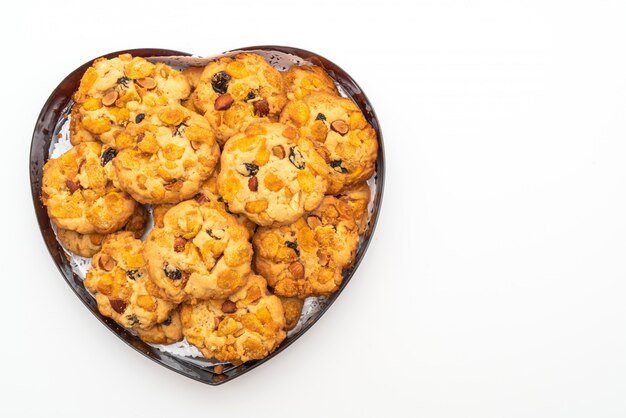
(340, 133)
(79, 190)
(271, 175)
(86, 245)
(201, 252)
(112, 93)
(120, 283)
(167, 332)
(248, 325)
(172, 152)
(307, 257)
(236, 92)
(301, 80)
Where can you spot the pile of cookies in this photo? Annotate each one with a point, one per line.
(256, 182)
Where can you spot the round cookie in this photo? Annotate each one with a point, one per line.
(249, 325)
(340, 133)
(120, 283)
(236, 92)
(166, 332)
(80, 192)
(86, 245)
(293, 311)
(301, 80)
(307, 257)
(209, 193)
(271, 175)
(200, 253)
(172, 152)
(112, 93)
(358, 198)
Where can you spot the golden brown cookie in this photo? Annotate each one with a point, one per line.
(293, 311)
(113, 92)
(249, 325)
(200, 253)
(236, 92)
(341, 135)
(271, 175)
(166, 332)
(119, 281)
(358, 197)
(301, 80)
(307, 257)
(80, 193)
(86, 245)
(172, 152)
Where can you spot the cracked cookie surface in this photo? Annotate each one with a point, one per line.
(120, 283)
(248, 325)
(201, 252)
(271, 175)
(340, 133)
(307, 257)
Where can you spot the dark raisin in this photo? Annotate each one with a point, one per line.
(107, 156)
(118, 305)
(220, 199)
(180, 129)
(294, 246)
(140, 117)
(133, 319)
(320, 116)
(250, 96)
(172, 272)
(220, 81)
(167, 322)
(336, 165)
(131, 274)
(251, 168)
(123, 81)
(295, 156)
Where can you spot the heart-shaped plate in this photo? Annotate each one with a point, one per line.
(52, 126)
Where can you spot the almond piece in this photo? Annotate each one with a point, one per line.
(261, 108)
(179, 244)
(109, 98)
(147, 83)
(224, 102)
(313, 221)
(72, 185)
(278, 151)
(106, 262)
(253, 184)
(340, 127)
(118, 305)
(229, 307)
(297, 270)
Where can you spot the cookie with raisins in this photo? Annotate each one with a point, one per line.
(173, 152)
(358, 197)
(236, 92)
(249, 325)
(201, 252)
(307, 257)
(271, 175)
(340, 133)
(112, 93)
(120, 283)
(81, 193)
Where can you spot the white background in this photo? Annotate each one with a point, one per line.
(495, 284)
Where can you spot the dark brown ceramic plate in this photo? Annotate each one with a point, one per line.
(49, 124)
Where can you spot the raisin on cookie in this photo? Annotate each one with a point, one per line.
(120, 283)
(200, 253)
(270, 175)
(80, 191)
(307, 257)
(236, 92)
(340, 133)
(173, 152)
(249, 325)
